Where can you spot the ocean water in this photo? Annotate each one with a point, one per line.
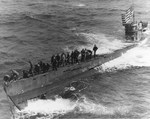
(35, 30)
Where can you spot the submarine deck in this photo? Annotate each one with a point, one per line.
(53, 82)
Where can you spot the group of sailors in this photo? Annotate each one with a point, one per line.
(57, 61)
(38, 68)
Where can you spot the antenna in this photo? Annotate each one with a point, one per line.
(132, 5)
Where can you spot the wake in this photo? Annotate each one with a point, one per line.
(59, 107)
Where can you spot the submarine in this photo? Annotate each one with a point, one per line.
(51, 83)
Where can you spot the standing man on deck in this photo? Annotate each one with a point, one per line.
(31, 68)
(58, 60)
(95, 49)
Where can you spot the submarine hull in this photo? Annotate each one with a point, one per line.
(53, 82)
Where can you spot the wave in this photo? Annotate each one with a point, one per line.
(16, 18)
(8, 19)
(7, 23)
(64, 106)
(59, 107)
(116, 10)
(11, 19)
(79, 4)
(29, 16)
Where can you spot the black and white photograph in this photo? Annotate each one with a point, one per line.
(74, 59)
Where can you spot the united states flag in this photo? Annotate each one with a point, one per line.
(128, 16)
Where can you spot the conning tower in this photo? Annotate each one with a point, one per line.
(133, 29)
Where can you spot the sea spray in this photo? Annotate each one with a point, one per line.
(136, 57)
(55, 108)
(46, 108)
(92, 107)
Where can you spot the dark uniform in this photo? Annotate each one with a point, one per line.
(52, 59)
(58, 60)
(95, 49)
(47, 67)
(82, 55)
(44, 68)
(31, 68)
(25, 74)
(41, 66)
(54, 65)
(37, 69)
(72, 57)
(89, 54)
(63, 59)
(76, 56)
(7, 78)
(68, 59)
(14, 75)
(53, 62)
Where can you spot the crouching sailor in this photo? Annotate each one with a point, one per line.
(6, 78)
(14, 75)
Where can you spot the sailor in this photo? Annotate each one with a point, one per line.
(63, 58)
(86, 54)
(76, 56)
(52, 59)
(40, 63)
(68, 58)
(43, 67)
(25, 74)
(6, 78)
(58, 60)
(89, 54)
(37, 69)
(47, 67)
(95, 49)
(43, 96)
(72, 57)
(14, 75)
(54, 63)
(82, 55)
(31, 68)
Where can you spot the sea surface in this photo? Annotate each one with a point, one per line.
(36, 29)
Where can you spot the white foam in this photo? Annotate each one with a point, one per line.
(138, 56)
(81, 5)
(50, 108)
(88, 106)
